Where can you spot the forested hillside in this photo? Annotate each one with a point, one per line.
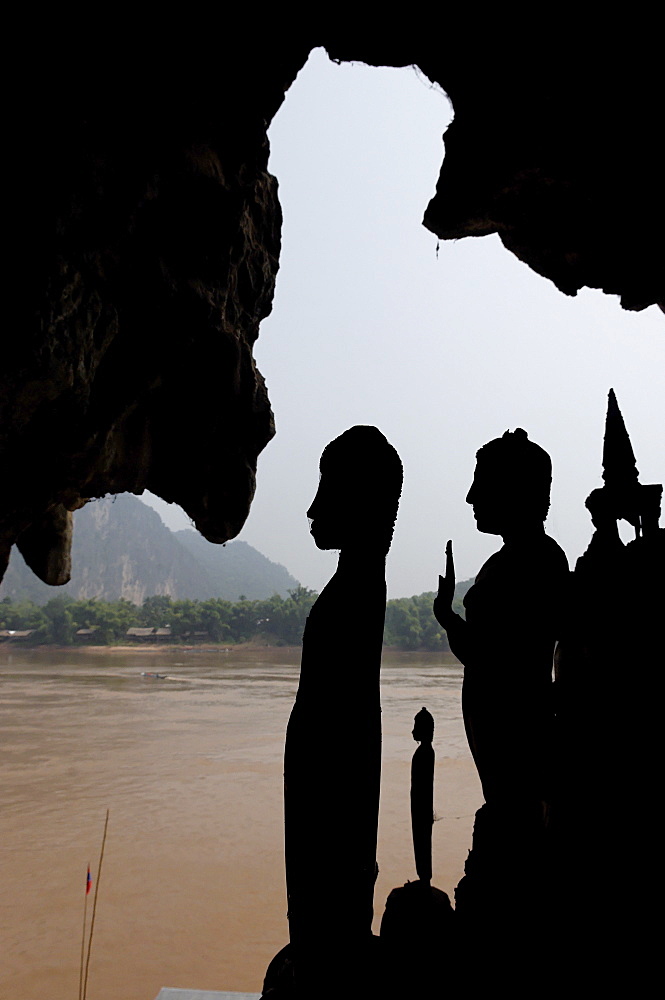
(410, 623)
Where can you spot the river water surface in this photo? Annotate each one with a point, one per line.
(190, 767)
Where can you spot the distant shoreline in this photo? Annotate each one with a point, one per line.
(241, 647)
(177, 647)
(147, 647)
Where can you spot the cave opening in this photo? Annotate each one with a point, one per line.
(373, 321)
(441, 348)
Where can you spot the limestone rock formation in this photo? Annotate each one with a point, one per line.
(122, 549)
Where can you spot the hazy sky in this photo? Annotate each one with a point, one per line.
(442, 352)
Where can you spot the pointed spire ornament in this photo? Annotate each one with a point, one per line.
(629, 499)
(619, 468)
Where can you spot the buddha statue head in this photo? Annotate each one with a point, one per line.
(359, 490)
(423, 727)
(511, 484)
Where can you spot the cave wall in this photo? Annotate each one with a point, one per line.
(147, 247)
(145, 232)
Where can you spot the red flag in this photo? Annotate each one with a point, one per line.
(88, 881)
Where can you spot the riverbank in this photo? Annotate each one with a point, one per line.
(241, 648)
(149, 648)
(172, 647)
(200, 624)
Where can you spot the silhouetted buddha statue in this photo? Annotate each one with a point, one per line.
(514, 614)
(609, 698)
(610, 580)
(332, 759)
(422, 794)
(417, 926)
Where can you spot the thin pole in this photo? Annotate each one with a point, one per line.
(85, 911)
(94, 906)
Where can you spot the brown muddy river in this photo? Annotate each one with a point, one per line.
(190, 767)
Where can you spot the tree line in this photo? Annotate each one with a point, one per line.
(279, 621)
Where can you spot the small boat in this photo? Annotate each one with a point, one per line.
(153, 676)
